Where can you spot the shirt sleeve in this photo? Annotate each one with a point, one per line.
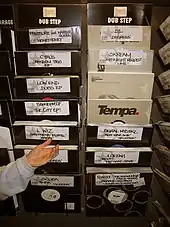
(15, 177)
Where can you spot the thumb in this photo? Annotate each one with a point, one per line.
(46, 143)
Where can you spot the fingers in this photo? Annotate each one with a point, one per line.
(45, 144)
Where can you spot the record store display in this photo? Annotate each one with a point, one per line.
(119, 133)
(83, 75)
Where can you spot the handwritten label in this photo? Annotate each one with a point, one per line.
(119, 56)
(50, 195)
(119, 133)
(42, 133)
(140, 182)
(0, 110)
(121, 34)
(117, 179)
(50, 35)
(61, 157)
(120, 11)
(117, 197)
(116, 157)
(41, 59)
(55, 108)
(165, 28)
(164, 53)
(49, 11)
(165, 79)
(48, 85)
(58, 181)
(69, 206)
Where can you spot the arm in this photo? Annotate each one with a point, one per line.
(15, 177)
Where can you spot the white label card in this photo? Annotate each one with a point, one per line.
(120, 56)
(69, 206)
(165, 28)
(112, 157)
(45, 59)
(119, 133)
(61, 157)
(0, 110)
(120, 11)
(121, 34)
(52, 108)
(58, 181)
(140, 182)
(43, 133)
(50, 35)
(49, 12)
(48, 85)
(117, 179)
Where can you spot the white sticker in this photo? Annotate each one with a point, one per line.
(112, 157)
(120, 56)
(50, 195)
(0, 110)
(121, 34)
(52, 108)
(120, 11)
(42, 133)
(165, 79)
(61, 157)
(58, 181)
(48, 85)
(45, 59)
(69, 206)
(165, 28)
(117, 179)
(49, 12)
(140, 182)
(164, 53)
(117, 196)
(50, 35)
(119, 133)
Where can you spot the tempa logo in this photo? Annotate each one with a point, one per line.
(104, 109)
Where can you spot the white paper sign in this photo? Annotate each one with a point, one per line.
(50, 35)
(0, 110)
(48, 85)
(58, 181)
(120, 56)
(119, 133)
(140, 182)
(44, 59)
(117, 179)
(69, 206)
(43, 133)
(112, 157)
(52, 108)
(61, 157)
(121, 34)
(117, 197)
(165, 28)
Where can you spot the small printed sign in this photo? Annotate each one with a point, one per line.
(43, 133)
(121, 34)
(117, 179)
(120, 56)
(49, 59)
(49, 12)
(117, 197)
(48, 85)
(119, 133)
(120, 11)
(112, 157)
(58, 181)
(69, 206)
(50, 35)
(52, 108)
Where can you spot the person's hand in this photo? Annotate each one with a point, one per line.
(40, 155)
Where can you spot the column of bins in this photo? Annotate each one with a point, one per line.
(47, 102)
(119, 133)
(8, 206)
